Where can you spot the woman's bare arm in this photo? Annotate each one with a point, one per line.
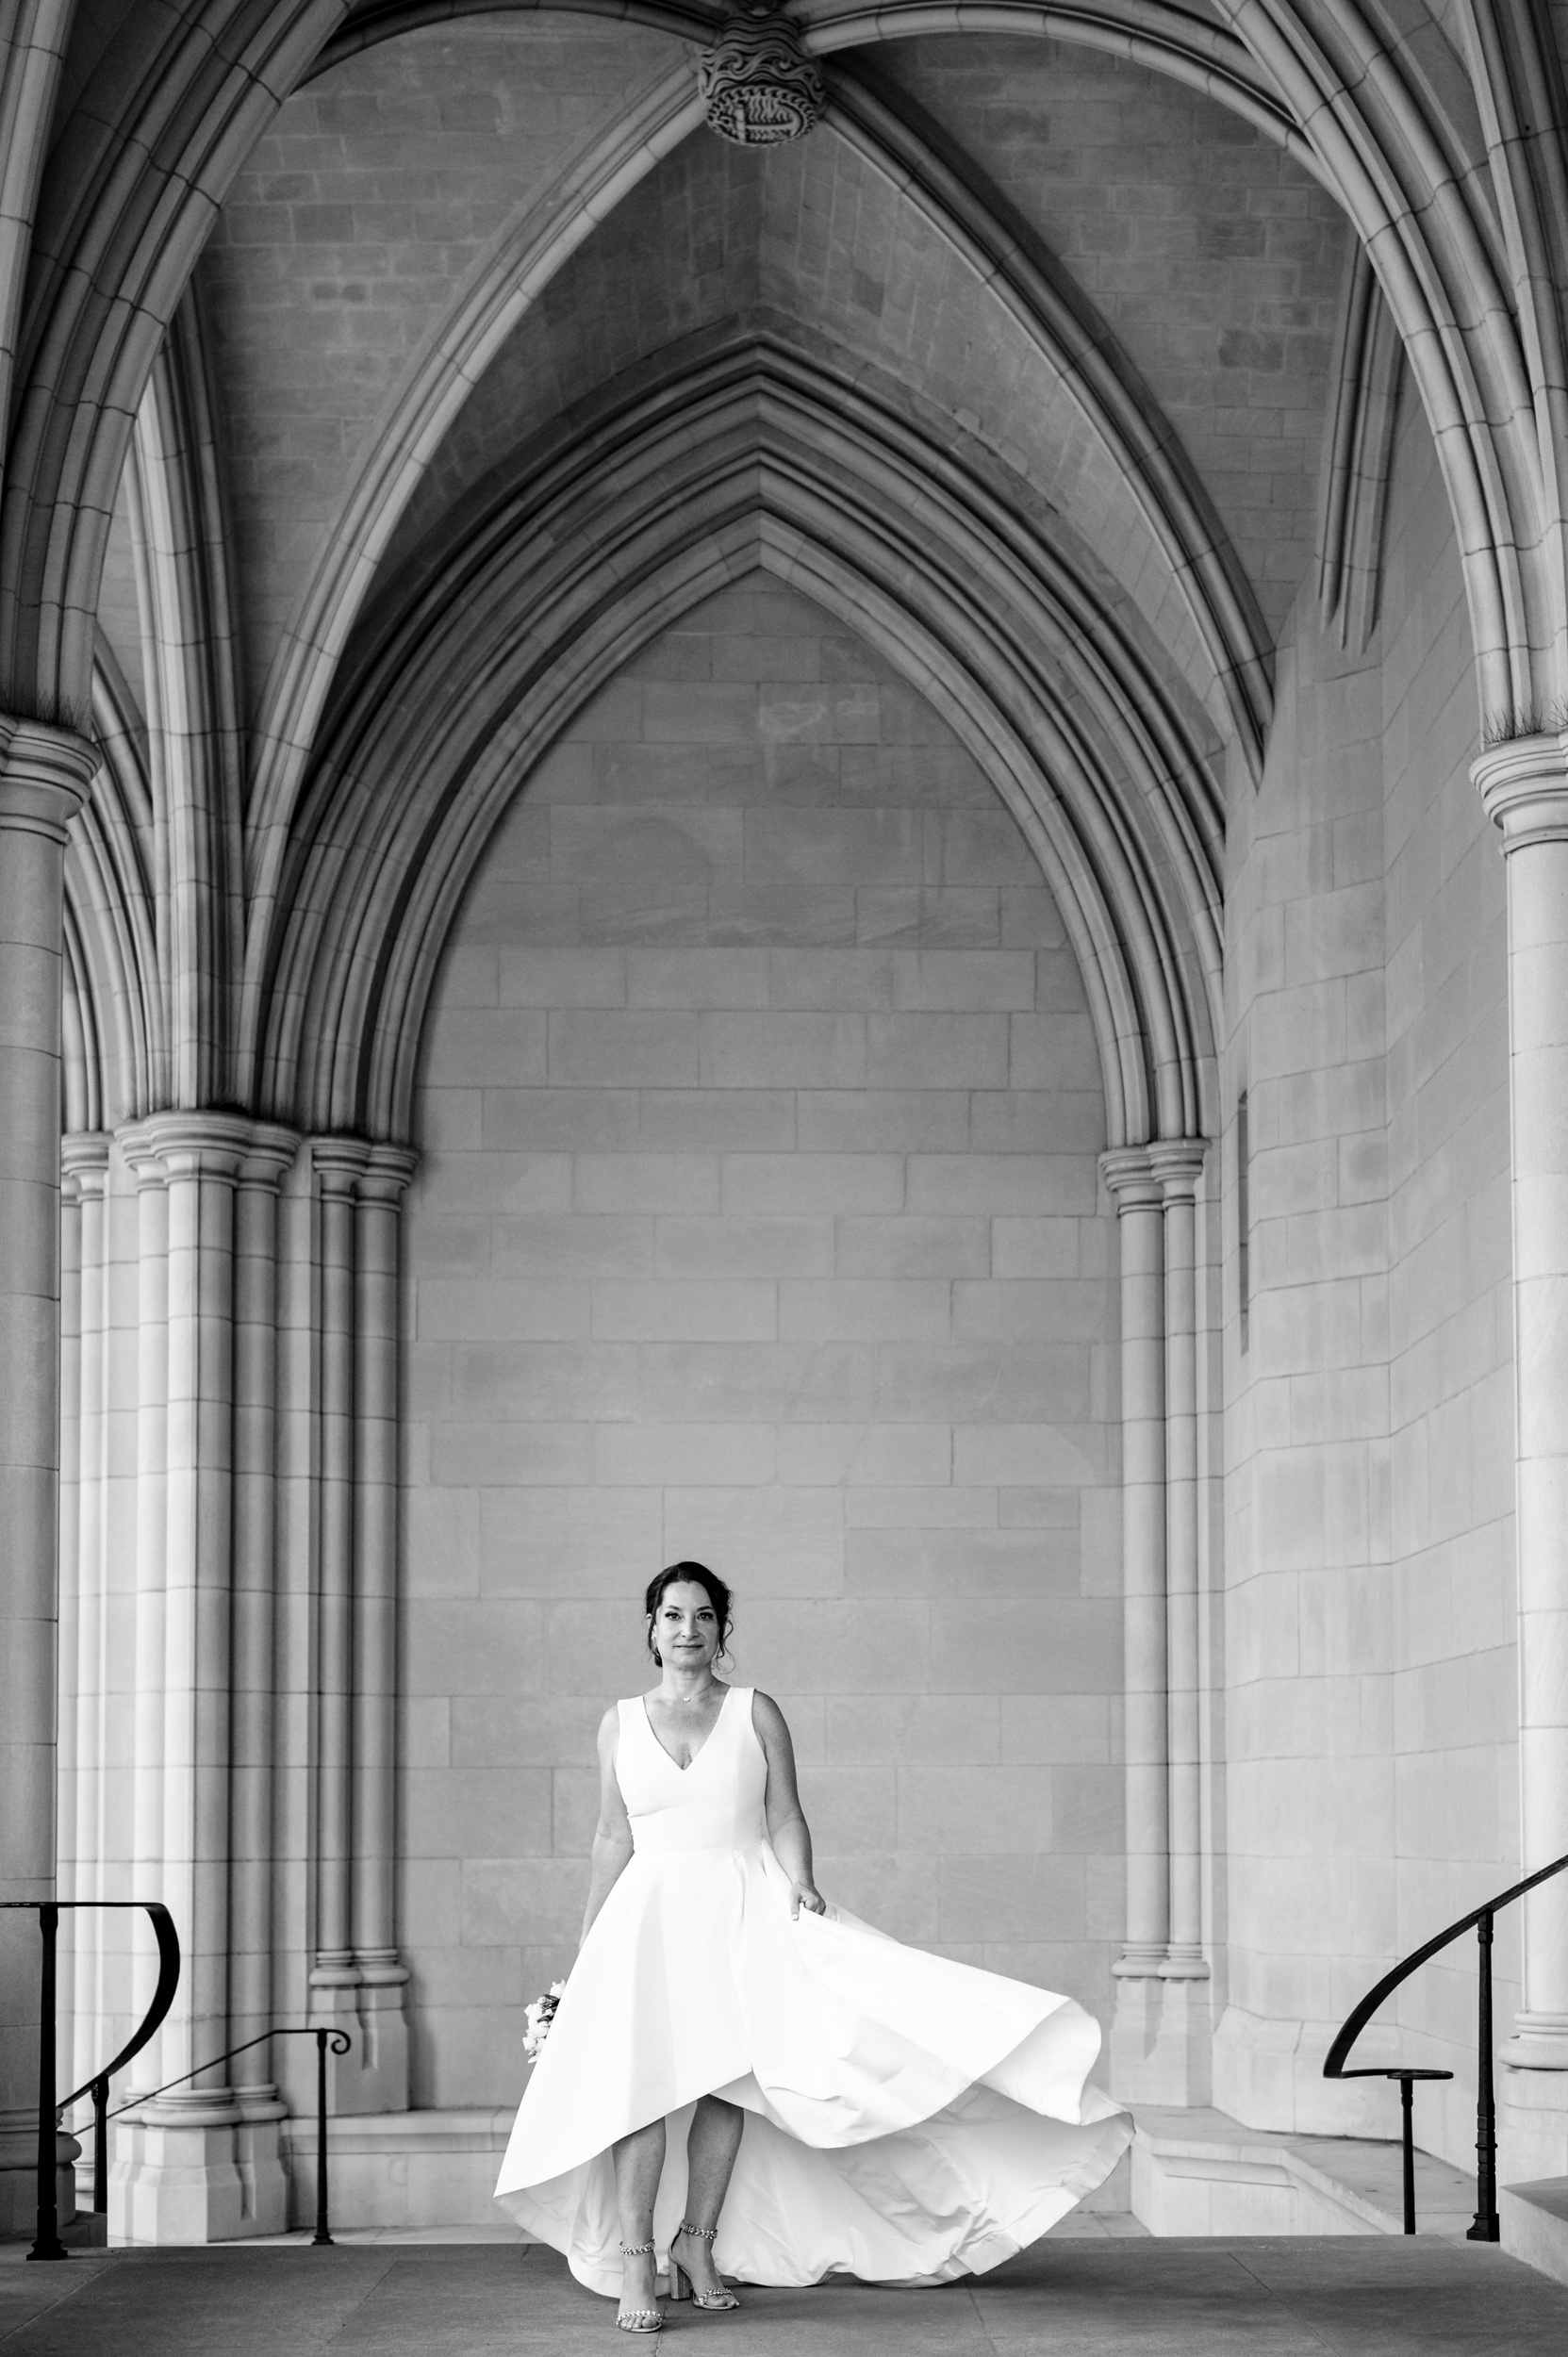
(787, 1825)
(612, 1838)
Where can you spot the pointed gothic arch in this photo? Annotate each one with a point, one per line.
(1454, 210)
(747, 453)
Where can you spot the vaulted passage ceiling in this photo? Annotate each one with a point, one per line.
(497, 359)
(1182, 237)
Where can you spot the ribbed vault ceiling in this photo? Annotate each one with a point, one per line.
(1021, 363)
(1190, 238)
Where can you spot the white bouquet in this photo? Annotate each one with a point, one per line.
(540, 2016)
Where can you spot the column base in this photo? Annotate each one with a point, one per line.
(1161, 2037)
(258, 2157)
(211, 2171)
(373, 2075)
(1532, 2107)
(1540, 2042)
(19, 2174)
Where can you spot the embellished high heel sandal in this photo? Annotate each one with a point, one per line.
(641, 2319)
(681, 2285)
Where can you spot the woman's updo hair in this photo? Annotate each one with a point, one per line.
(718, 1596)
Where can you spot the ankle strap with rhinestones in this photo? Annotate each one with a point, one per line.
(637, 2250)
(703, 2234)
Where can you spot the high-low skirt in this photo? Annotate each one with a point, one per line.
(908, 2120)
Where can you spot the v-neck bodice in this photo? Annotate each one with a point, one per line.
(716, 1803)
(686, 1766)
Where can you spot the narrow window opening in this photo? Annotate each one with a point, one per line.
(1243, 1217)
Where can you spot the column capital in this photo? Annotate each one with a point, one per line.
(1523, 788)
(46, 774)
(1128, 1172)
(195, 1144)
(84, 1163)
(1177, 1165)
(270, 1156)
(388, 1173)
(373, 1172)
(215, 1144)
(340, 1164)
(141, 1155)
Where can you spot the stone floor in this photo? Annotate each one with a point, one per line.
(1363, 2296)
(1080, 2224)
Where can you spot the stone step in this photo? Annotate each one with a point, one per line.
(1197, 2171)
(427, 2177)
(1535, 2224)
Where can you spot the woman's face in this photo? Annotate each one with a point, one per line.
(685, 1627)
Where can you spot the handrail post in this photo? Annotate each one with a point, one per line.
(1407, 2112)
(323, 2233)
(47, 2243)
(1486, 2226)
(100, 2145)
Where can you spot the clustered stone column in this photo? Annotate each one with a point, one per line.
(200, 2163)
(1160, 2038)
(44, 775)
(170, 1600)
(262, 1169)
(84, 1179)
(1525, 789)
(358, 1979)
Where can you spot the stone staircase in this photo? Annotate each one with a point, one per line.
(1199, 2172)
(1190, 2172)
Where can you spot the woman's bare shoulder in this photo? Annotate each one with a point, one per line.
(766, 1717)
(609, 1727)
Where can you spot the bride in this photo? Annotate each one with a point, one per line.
(838, 2102)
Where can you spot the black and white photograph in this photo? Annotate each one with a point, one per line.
(784, 1178)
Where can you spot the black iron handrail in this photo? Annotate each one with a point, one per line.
(46, 2242)
(1486, 2225)
(339, 2042)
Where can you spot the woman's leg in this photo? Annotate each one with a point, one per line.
(638, 2165)
(711, 2147)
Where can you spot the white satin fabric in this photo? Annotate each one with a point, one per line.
(908, 2120)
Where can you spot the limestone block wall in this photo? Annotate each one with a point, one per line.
(758, 1220)
(1308, 1638)
(1454, 1689)
(1370, 1713)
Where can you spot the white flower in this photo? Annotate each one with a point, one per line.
(538, 2015)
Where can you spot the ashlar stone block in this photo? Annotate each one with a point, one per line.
(790, 1256)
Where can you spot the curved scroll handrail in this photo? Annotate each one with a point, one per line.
(1487, 2226)
(163, 1995)
(340, 2044)
(46, 2242)
(327, 2042)
(1334, 2067)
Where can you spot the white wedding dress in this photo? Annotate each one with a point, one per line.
(907, 2120)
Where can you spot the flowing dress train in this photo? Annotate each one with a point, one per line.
(907, 2120)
